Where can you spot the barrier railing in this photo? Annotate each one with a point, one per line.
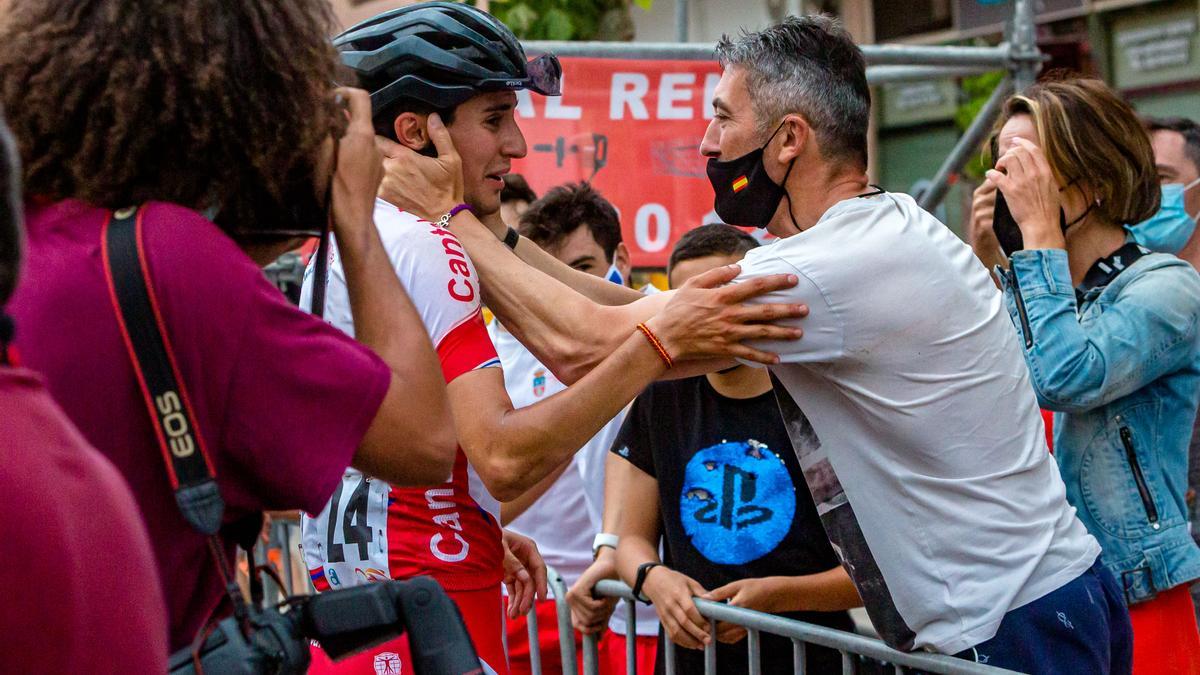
(851, 645)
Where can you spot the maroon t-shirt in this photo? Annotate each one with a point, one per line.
(83, 593)
(281, 399)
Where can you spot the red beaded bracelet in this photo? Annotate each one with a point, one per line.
(662, 352)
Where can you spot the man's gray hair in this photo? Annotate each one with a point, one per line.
(807, 65)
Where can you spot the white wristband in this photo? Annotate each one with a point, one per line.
(604, 539)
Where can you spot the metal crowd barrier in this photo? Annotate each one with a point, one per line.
(851, 645)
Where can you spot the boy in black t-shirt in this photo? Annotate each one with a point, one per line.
(717, 479)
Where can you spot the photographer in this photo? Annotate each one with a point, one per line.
(73, 570)
(1109, 331)
(216, 118)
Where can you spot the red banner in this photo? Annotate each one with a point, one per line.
(633, 129)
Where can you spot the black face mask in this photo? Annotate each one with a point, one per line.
(1009, 234)
(745, 194)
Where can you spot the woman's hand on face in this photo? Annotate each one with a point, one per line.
(1032, 193)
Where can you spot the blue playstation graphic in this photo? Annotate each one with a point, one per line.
(737, 501)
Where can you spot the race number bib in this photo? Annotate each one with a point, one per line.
(346, 544)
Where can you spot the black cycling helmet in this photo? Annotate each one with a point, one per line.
(440, 54)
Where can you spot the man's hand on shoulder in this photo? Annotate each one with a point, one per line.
(707, 317)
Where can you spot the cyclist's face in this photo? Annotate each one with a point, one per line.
(487, 138)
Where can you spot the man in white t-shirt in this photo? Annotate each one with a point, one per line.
(918, 430)
(565, 512)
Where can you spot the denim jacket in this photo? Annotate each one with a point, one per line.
(1120, 366)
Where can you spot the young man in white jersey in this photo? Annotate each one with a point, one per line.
(449, 66)
(919, 433)
(567, 512)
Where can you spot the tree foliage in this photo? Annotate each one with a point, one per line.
(976, 90)
(568, 19)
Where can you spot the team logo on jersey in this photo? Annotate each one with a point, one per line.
(372, 574)
(539, 382)
(388, 663)
(737, 502)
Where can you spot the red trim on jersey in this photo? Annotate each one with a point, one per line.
(466, 347)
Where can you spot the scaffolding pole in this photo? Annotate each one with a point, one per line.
(967, 146)
(1018, 56)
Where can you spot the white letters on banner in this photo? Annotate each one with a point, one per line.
(628, 89)
(627, 95)
(675, 88)
(656, 239)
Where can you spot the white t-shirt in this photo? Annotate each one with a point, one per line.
(910, 408)
(564, 520)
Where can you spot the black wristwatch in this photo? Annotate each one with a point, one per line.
(511, 239)
(640, 581)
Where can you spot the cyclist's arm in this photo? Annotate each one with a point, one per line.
(511, 510)
(571, 334)
(513, 449)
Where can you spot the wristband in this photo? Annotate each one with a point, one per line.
(603, 539)
(444, 221)
(654, 342)
(640, 581)
(511, 238)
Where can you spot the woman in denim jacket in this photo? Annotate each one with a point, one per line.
(1111, 335)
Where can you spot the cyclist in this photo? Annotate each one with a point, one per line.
(428, 66)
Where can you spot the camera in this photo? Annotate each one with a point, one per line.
(276, 640)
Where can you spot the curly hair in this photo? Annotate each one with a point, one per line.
(204, 103)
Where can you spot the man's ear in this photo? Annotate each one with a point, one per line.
(411, 130)
(794, 138)
(622, 262)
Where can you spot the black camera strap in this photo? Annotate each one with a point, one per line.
(189, 468)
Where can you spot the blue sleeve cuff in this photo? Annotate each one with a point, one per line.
(1042, 272)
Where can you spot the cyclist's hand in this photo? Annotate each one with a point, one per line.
(426, 186)
(590, 614)
(672, 592)
(524, 573)
(707, 317)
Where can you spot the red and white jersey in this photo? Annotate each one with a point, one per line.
(370, 530)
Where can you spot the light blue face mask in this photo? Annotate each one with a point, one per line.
(614, 275)
(1170, 229)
